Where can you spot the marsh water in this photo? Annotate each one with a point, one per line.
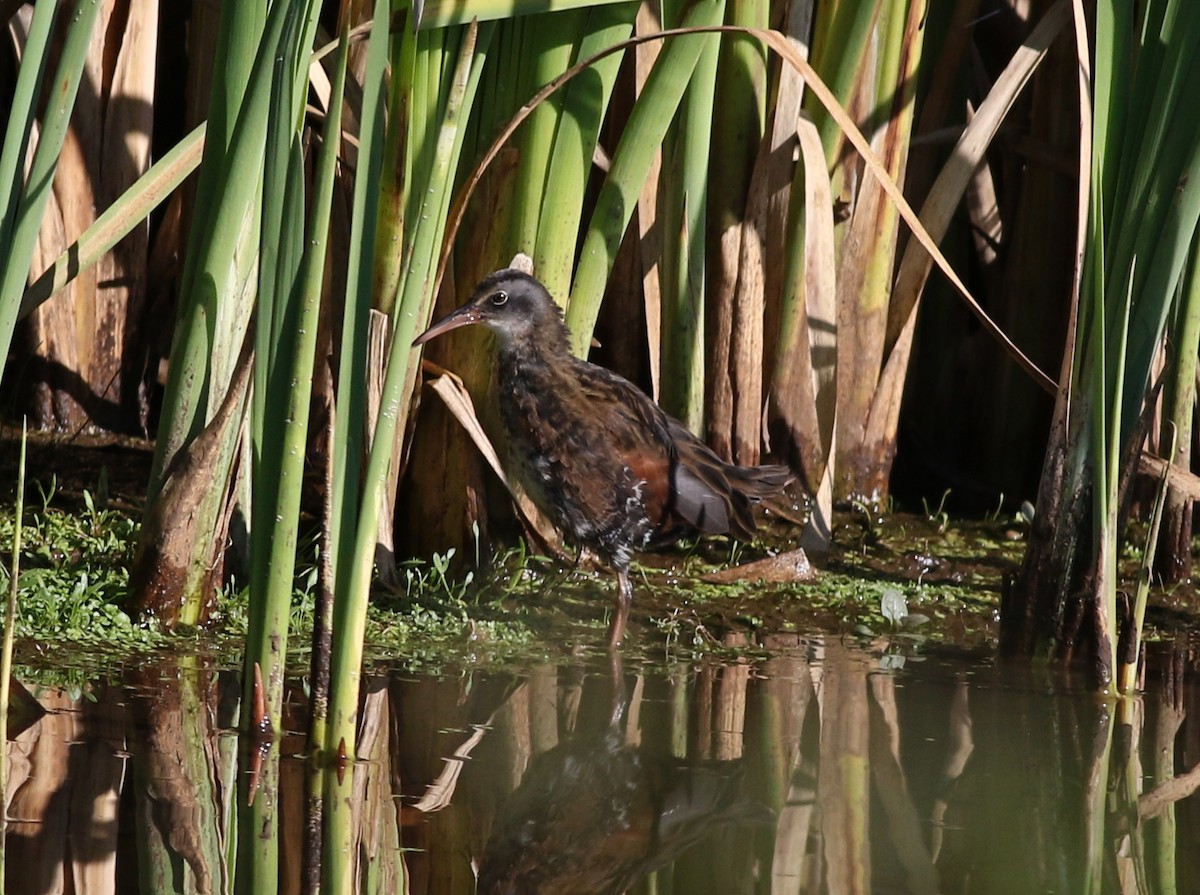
(804, 764)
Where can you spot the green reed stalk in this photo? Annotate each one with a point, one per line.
(1107, 475)
(1144, 229)
(354, 585)
(1130, 650)
(390, 219)
(1140, 225)
(285, 338)
(371, 210)
(354, 578)
(350, 409)
(1179, 403)
(465, 56)
(643, 134)
(442, 13)
(547, 51)
(1157, 204)
(134, 206)
(841, 35)
(10, 633)
(23, 199)
(584, 103)
(215, 290)
(22, 114)
(683, 210)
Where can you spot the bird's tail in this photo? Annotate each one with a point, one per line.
(717, 497)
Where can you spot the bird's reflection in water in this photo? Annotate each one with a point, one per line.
(594, 814)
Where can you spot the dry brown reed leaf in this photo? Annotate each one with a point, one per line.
(948, 188)
(939, 206)
(720, 337)
(816, 352)
(457, 399)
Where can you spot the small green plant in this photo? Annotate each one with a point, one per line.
(938, 515)
(994, 516)
(47, 492)
(431, 579)
(75, 575)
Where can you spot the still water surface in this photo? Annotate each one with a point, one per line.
(819, 765)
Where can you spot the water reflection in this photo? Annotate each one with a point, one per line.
(598, 812)
(819, 767)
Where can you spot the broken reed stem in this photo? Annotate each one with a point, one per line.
(10, 624)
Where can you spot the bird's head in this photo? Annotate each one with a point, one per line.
(513, 305)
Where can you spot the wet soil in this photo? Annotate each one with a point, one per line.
(949, 575)
(113, 469)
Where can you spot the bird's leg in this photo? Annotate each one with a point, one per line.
(616, 631)
(620, 696)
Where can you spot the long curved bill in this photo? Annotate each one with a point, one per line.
(464, 316)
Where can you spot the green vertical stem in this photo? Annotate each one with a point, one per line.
(22, 113)
(19, 243)
(416, 300)
(286, 340)
(584, 103)
(350, 612)
(1100, 472)
(287, 385)
(213, 307)
(1130, 647)
(1110, 461)
(548, 48)
(313, 273)
(641, 138)
(279, 252)
(273, 532)
(683, 210)
(1161, 255)
(395, 164)
(350, 604)
(840, 42)
(350, 410)
(1175, 557)
(10, 628)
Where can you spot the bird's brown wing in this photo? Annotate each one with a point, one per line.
(684, 478)
(738, 488)
(637, 432)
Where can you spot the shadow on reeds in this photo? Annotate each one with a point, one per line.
(814, 768)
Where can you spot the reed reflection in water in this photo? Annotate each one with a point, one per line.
(819, 767)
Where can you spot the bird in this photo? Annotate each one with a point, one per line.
(611, 470)
(594, 815)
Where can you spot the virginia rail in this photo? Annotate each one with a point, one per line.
(609, 468)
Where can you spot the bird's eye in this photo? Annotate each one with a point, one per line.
(499, 298)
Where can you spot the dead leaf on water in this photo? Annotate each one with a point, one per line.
(783, 568)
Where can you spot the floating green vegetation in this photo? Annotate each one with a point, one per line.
(898, 583)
